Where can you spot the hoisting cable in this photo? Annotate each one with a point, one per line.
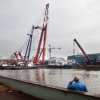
(40, 18)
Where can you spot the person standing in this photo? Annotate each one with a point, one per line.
(75, 84)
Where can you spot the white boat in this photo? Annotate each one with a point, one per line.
(60, 62)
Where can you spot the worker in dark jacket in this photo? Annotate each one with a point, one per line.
(77, 85)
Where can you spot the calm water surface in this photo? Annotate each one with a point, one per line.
(57, 77)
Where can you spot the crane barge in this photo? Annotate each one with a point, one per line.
(24, 60)
(43, 37)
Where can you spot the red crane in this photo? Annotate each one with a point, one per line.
(43, 36)
(86, 56)
(21, 57)
(19, 54)
(15, 53)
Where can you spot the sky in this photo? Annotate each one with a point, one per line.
(68, 19)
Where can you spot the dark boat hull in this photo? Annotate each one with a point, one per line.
(16, 67)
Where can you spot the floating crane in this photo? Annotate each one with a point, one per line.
(21, 56)
(18, 55)
(43, 36)
(28, 49)
(86, 56)
(15, 53)
(41, 50)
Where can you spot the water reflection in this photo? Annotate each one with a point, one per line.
(40, 76)
(56, 77)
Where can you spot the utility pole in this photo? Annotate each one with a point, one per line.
(73, 48)
(52, 48)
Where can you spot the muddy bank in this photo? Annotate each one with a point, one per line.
(7, 93)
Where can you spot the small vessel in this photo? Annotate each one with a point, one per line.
(18, 66)
(60, 63)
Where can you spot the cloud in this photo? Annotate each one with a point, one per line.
(78, 19)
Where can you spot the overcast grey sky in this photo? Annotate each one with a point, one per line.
(68, 19)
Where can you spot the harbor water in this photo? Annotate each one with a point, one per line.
(57, 77)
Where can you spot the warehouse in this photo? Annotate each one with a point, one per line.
(81, 58)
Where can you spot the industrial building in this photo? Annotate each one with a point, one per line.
(81, 58)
